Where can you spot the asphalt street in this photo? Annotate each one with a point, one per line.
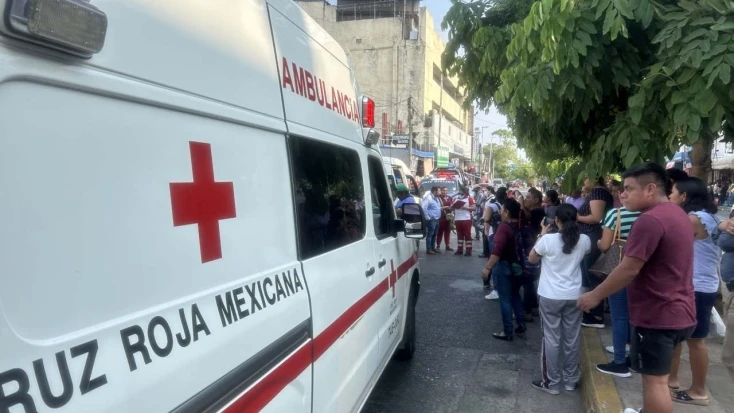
(458, 366)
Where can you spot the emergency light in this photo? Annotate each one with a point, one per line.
(368, 112)
(73, 26)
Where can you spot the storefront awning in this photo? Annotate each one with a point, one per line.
(724, 162)
(420, 154)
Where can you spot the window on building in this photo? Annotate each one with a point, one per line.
(329, 196)
(382, 209)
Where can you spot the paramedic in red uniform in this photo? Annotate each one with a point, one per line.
(463, 205)
(444, 227)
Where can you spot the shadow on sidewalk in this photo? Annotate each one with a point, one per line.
(720, 385)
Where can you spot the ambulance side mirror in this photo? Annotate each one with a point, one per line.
(415, 225)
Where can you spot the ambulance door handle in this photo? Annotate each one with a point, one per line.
(370, 272)
(382, 263)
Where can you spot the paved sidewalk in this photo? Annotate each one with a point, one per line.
(720, 385)
(458, 367)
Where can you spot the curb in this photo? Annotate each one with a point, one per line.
(599, 393)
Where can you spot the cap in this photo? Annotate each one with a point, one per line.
(401, 188)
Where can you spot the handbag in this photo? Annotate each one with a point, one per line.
(610, 259)
(451, 218)
(718, 322)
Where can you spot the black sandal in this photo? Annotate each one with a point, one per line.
(682, 396)
(502, 336)
(521, 329)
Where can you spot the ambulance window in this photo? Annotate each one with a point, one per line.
(329, 196)
(381, 200)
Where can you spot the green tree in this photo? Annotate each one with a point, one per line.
(502, 152)
(610, 82)
(524, 171)
(557, 168)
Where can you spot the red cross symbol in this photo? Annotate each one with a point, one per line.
(393, 277)
(203, 202)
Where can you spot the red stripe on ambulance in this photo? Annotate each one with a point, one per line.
(262, 393)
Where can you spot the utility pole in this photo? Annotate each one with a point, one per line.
(491, 159)
(410, 133)
(481, 146)
(440, 110)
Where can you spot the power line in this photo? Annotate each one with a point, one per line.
(476, 119)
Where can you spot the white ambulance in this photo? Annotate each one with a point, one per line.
(195, 217)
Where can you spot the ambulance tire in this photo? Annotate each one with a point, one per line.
(408, 348)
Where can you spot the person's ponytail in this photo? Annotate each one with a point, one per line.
(570, 234)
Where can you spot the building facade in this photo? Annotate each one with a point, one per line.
(396, 55)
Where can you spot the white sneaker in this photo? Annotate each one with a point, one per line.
(492, 296)
(628, 410)
(610, 349)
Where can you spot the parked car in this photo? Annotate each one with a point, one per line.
(451, 184)
(444, 173)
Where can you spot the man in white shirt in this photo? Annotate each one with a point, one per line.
(432, 213)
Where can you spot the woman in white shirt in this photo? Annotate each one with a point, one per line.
(559, 288)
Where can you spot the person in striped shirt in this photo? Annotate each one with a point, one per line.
(617, 301)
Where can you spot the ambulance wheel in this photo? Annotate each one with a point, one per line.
(408, 348)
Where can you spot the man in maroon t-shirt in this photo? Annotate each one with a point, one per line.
(657, 269)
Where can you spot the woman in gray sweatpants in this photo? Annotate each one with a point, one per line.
(559, 287)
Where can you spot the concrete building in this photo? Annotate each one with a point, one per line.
(396, 55)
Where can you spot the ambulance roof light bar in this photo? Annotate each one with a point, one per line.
(73, 26)
(368, 121)
(368, 112)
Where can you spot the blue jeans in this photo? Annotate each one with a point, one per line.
(432, 229)
(508, 288)
(620, 324)
(530, 294)
(588, 279)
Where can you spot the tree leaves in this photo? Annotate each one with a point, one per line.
(609, 21)
(725, 73)
(596, 78)
(623, 7)
(723, 26)
(588, 27)
(694, 34)
(631, 157)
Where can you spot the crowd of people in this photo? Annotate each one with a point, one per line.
(649, 248)
(722, 192)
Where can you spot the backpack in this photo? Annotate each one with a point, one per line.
(496, 218)
(525, 238)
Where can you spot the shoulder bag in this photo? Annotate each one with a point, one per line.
(610, 259)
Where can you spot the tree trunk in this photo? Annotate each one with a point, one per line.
(701, 156)
(701, 168)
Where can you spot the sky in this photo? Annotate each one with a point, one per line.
(490, 121)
